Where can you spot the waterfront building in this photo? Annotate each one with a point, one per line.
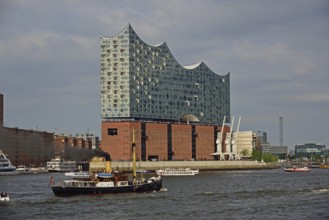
(159, 140)
(95, 142)
(32, 147)
(309, 150)
(280, 151)
(80, 141)
(263, 143)
(139, 81)
(24, 146)
(246, 142)
(174, 109)
(28, 147)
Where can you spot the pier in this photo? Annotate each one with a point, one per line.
(201, 165)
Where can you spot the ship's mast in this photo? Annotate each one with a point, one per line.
(134, 157)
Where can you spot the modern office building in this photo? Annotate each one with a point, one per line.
(265, 146)
(174, 110)
(139, 81)
(308, 150)
(280, 151)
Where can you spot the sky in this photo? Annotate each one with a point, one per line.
(277, 53)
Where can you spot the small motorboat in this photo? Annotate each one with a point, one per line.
(23, 169)
(177, 172)
(78, 174)
(298, 169)
(4, 197)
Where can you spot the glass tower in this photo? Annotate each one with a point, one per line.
(144, 82)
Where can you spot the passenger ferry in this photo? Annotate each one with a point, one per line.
(5, 165)
(177, 172)
(57, 164)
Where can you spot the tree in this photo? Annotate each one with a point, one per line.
(267, 158)
(244, 152)
(256, 155)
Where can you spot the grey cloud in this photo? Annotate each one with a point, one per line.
(277, 53)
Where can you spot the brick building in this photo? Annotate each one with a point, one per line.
(31, 147)
(159, 140)
(26, 147)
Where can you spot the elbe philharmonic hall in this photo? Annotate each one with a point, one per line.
(176, 112)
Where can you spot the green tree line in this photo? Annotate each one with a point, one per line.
(266, 157)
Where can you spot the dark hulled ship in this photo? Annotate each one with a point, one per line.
(106, 182)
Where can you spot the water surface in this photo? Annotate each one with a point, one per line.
(256, 194)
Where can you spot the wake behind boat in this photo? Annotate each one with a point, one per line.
(177, 172)
(5, 165)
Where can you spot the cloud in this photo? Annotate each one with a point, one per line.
(277, 53)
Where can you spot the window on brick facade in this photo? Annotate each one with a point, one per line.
(112, 131)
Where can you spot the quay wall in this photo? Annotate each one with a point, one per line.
(201, 165)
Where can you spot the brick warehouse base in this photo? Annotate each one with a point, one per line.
(159, 140)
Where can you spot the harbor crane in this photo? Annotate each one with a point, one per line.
(234, 142)
(219, 142)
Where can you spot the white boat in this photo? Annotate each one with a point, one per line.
(78, 174)
(57, 164)
(4, 197)
(145, 171)
(39, 169)
(177, 172)
(23, 169)
(298, 169)
(5, 165)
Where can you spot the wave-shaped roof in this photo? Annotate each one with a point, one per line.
(162, 45)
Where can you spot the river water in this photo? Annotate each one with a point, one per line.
(255, 194)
